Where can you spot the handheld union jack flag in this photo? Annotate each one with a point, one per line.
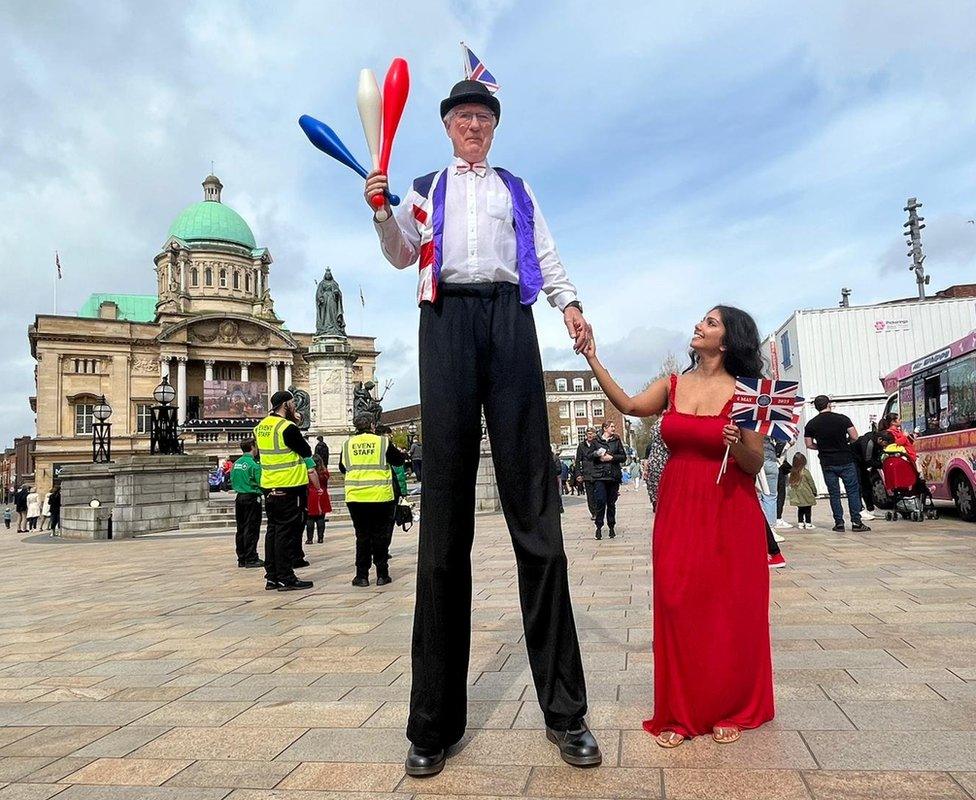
(476, 71)
(767, 406)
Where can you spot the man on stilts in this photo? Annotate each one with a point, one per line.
(485, 253)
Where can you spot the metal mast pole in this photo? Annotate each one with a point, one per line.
(914, 234)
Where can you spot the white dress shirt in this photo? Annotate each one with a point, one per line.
(479, 238)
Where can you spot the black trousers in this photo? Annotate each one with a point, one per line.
(867, 488)
(784, 472)
(247, 514)
(590, 503)
(803, 514)
(313, 524)
(772, 546)
(478, 349)
(605, 500)
(285, 520)
(373, 523)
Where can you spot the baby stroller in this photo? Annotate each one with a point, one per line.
(909, 496)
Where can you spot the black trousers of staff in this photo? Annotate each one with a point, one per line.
(373, 523)
(590, 501)
(478, 348)
(285, 520)
(247, 515)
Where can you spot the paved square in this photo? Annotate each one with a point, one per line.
(155, 668)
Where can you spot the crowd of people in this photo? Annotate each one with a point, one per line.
(34, 513)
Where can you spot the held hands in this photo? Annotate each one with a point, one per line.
(731, 435)
(376, 183)
(579, 329)
(606, 457)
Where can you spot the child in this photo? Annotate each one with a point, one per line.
(802, 491)
(319, 503)
(6, 517)
(890, 446)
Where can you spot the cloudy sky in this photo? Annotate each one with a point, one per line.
(684, 154)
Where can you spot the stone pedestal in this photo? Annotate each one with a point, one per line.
(330, 389)
(138, 494)
(486, 487)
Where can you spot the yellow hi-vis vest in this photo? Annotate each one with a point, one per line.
(281, 467)
(369, 478)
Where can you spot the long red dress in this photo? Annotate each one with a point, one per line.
(712, 661)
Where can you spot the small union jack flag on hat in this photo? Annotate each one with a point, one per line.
(475, 70)
(767, 406)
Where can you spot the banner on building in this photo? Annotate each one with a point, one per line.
(234, 399)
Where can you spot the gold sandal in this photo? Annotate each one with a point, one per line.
(726, 734)
(669, 739)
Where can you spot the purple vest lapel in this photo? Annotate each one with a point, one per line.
(523, 217)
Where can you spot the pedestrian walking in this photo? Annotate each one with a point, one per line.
(319, 503)
(45, 512)
(634, 469)
(585, 467)
(781, 481)
(486, 254)
(655, 459)
(7, 516)
(831, 435)
(322, 450)
(245, 479)
(55, 503)
(33, 509)
(416, 454)
(286, 470)
(366, 461)
(802, 491)
(607, 455)
(563, 476)
(20, 506)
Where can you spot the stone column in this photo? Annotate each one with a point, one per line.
(244, 368)
(287, 374)
(208, 367)
(181, 389)
(273, 376)
(163, 367)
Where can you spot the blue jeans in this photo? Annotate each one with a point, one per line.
(847, 473)
(768, 501)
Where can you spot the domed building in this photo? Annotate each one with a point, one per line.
(210, 330)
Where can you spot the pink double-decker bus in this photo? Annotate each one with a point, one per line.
(936, 397)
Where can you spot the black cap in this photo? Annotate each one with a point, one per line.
(280, 398)
(471, 92)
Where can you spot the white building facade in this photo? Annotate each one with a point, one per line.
(845, 352)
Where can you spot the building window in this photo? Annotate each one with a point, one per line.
(86, 365)
(208, 277)
(143, 418)
(564, 434)
(564, 410)
(194, 277)
(247, 282)
(580, 433)
(580, 409)
(84, 417)
(577, 384)
(598, 408)
(237, 279)
(560, 384)
(225, 372)
(594, 384)
(223, 278)
(784, 343)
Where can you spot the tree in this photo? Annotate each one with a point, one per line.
(642, 431)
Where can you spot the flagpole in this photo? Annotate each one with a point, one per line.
(55, 283)
(465, 64)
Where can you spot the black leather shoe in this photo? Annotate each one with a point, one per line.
(298, 564)
(270, 586)
(359, 580)
(838, 528)
(308, 541)
(577, 747)
(240, 562)
(860, 527)
(253, 564)
(423, 762)
(382, 580)
(599, 533)
(294, 586)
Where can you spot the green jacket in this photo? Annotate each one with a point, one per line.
(245, 477)
(804, 493)
(400, 476)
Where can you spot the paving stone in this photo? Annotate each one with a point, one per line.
(96, 713)
(362, 745)
(344, 777)
(233, 774)
(15, 768)
(894, 750)
(830, 785)
(935, 715)
(213, 743)
(617, 783)
(194, 713)
(139, 793)
(30, 791)
(759, 749)
(733, 784)
(303, 714)
(121, 742)
(56, 741)
(128, 771)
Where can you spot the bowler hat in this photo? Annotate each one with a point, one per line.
(471, 92)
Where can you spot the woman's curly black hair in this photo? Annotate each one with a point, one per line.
(743, 357)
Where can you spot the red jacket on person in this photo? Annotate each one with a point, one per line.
(320, 504)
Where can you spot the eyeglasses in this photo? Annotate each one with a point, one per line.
(467, 117)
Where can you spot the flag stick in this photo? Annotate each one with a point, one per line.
(725, 463)
(465, 63)
(55, 283)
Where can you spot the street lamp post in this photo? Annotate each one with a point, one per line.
(162, 437)
(411, 433)
(101, 433)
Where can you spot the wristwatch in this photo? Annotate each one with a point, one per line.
(574, 304)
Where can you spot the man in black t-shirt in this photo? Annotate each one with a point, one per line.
(831, 435)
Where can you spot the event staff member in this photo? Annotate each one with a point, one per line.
(245, 479)
(366, 461)
(485, 254)
(286, 469)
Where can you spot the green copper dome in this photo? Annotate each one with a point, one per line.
(211, 220)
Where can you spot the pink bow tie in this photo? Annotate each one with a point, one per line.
(478, 169)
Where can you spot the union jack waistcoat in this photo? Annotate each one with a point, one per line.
(430, 222)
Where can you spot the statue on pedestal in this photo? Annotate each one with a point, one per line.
(364, 402)
(329, 319)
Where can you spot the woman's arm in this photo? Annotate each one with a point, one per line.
(646, 404)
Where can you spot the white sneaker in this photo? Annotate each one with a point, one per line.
(811, 526)
(782, 523)
(867, 515)
(778, 538)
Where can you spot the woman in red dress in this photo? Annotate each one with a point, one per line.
(319, 503)
(712, 663)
